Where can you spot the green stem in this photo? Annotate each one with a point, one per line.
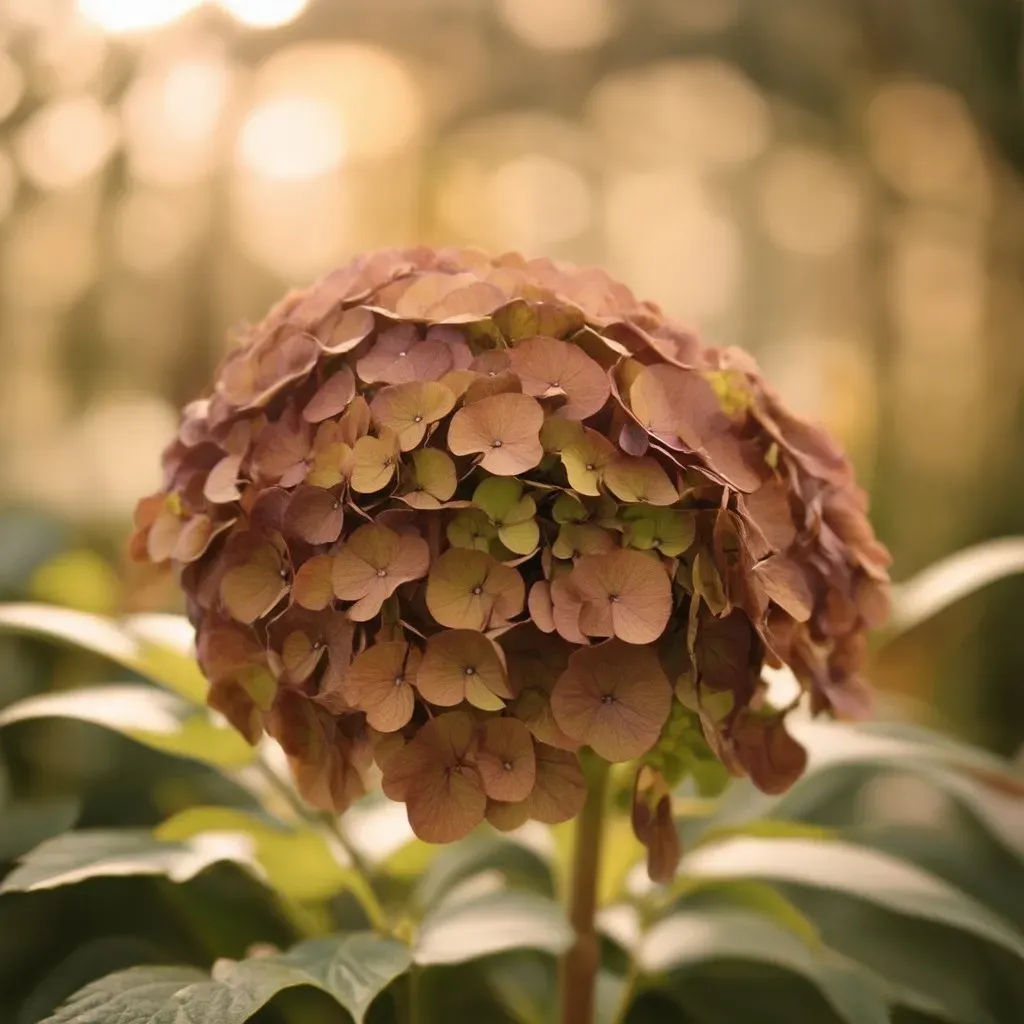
(578, 974)
(360, 886)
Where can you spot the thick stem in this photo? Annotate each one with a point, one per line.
(578, 973)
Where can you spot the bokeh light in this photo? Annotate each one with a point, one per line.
(291, 137)
(701, 111)
(565, 25)
(666, 236)
(923, 140)
(66, 141)
(538, 200)
(153, 228)
(811, 201)
(370, 90)
(126, 16)
(173, 113)
(264, 13)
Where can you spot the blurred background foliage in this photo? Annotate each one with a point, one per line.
(833, 184)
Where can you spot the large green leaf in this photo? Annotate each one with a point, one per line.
(149, 645)
(133, 996)
(855, 871)
(300, 861)
(690, 938)
(76, 856)
(353, 969)
(476, 854)
(149, 715)
(466, 929)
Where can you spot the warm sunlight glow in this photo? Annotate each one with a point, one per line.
(264, 13)
(291, 137)
(66, 142)
(134, 15)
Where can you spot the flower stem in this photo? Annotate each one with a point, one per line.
(360, 885)
(579, 965)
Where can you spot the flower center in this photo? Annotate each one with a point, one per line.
(382, 572)
(496, 444)
(478, 590)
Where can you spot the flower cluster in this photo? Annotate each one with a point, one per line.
(451, 518)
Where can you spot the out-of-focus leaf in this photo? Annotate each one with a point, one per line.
(151, 716)
(953, 578)
(687, 939)
(855, 871)
(768, 828)
(525, 983)
(298, 860)
(353, 969)
(459, 862)
(76, 856)
(93, 959)
(466, 930)
(867, 745)
(946, 974)
(25, 825)
(132, 643)
(167, 644)
(756, 897)
(134, 996)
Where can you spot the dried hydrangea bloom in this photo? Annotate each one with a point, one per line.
(447, 519)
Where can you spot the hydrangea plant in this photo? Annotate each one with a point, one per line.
(569, 623)
(446, 521)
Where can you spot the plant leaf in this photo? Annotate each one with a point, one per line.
(475, 855)
(456, 932)
(148, 644)
(353, 969)
(104, 853)
(951, 579)
(278, 848)
(133, 996)
(690, 937)
(150, 716)
(855, 871)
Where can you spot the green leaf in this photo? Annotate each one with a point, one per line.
(76, 856)
(687, 939)
(353, 969)
(299, 861)
(703, 893)
(148, 715)
(149, 645)
(24, 825)
(524, 983)
(855, 871)
(134, 996)
(462, 930)
(875, 745)
(940, 585)
(476, 854)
